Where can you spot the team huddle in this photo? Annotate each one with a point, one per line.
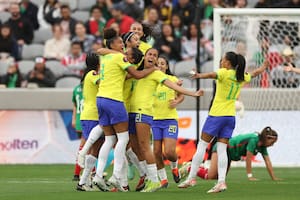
(129, 94)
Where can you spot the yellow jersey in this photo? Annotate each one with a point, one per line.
(112, 76)
(161, 106)
(143, 94)
(227, 91)
(90, 89)
(144, 46)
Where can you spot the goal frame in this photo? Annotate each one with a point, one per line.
(218, 12)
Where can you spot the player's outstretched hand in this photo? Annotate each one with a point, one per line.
(199, 93)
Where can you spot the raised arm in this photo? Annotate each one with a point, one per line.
(260, 70)
(139, 74)
(270, 168)
(182, 90)
(104, 51)
(208, 75)
(290, 68)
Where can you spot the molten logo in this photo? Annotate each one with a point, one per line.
(17, 144)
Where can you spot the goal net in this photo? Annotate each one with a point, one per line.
(273, 98)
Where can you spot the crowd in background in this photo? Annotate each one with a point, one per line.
(173, 25)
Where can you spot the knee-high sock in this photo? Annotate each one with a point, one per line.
(222, 161)
(119, 155)
(162, 174)
(134, 160)
(152, 172)
(197, 158)
(90, 162)
(103, 153)
(95, 134)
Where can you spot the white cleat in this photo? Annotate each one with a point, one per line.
(188, 183)
(219, 187)
(100, 184)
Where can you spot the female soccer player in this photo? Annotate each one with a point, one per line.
(143, 31)
(239, 146)
(112, 113)
(89, 115)
(77, 100)
(141, 115)
(165, 124)
(220, 123)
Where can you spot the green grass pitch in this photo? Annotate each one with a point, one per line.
(45, 182)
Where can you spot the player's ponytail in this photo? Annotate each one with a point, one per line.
(240, 68)
(92, 62)
(109, 36)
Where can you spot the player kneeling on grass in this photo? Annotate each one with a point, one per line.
(241, 145)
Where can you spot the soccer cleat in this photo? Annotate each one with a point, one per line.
(100, 184)
(176, 175)
(185, 169)
(76, 178)
(124, 189)
(141, 183)
(84, 188)
(164, 183)
(114, 182)
(187, 183)
(219, 187)
(151, 186)
(80, 159)
(131, 172)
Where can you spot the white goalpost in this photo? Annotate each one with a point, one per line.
(272, 99)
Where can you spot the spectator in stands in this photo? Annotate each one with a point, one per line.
(287, 4)
(96, 45)
(21, 28)
(96, 23)
(178, 28)
(30, 11)
(81, 36)
(67, 22)
(281, 78)
(163, 8)
(75, 61)
(105, 6)
(152, 20)
(4, 4)
(41, 75)
(116, 27)
(240, 3)
(13, 77)
(132, 9)
(58, 46)
(47, 12)
(189, 45)
(186, 10)
(168, 44)
(207, 10)
(262, 4)
(8, 44)
(120, 18)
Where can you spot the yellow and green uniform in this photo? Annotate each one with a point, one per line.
(227, 91)
(112, 76)
(77, 99)
(161, 106)
(90, 90)
(142, 98)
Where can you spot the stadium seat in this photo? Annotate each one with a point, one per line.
(31, 51)
(3, 67)
(42, 35)
(182, 68)
(56, 67)
(208, 66)
(25, 66)
(85, 4)
(4, 16)
(67, 82)
(81, 15)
